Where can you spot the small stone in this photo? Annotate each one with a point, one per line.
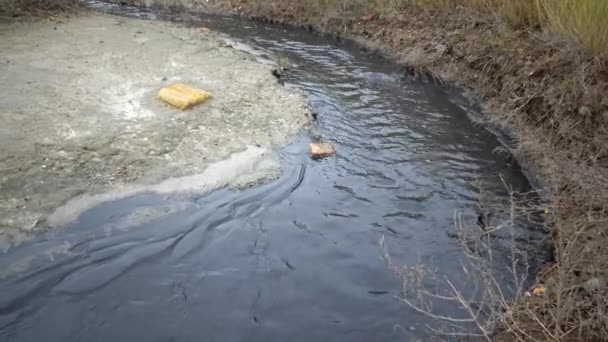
(205, 30)
(321, 150)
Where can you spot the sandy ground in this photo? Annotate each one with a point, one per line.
(79, 114)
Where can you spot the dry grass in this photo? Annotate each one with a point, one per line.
(496, 277)
(582, 21)
(501, 300)
(575, 306)
(35, 7)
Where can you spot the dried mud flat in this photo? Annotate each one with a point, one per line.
(79, 114)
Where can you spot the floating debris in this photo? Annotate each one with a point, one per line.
(321, 150)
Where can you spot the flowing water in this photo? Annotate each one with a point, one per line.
(294, 259)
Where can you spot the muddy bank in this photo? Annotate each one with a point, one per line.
(548, 94)
(79, 113)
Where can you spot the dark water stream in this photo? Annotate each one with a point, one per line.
(296, 259)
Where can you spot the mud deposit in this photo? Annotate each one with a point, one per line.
(78, 112)
(293, 259)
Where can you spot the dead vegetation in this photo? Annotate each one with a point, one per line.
(13, 8)
(501, 300)
(495, 270)
(580, 21)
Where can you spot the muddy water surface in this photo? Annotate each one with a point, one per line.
(295, 259)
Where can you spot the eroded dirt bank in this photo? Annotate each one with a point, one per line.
(79, 114)
(548, 94)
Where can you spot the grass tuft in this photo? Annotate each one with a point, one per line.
(582, 21)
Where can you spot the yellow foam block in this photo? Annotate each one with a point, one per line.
(182, 96)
